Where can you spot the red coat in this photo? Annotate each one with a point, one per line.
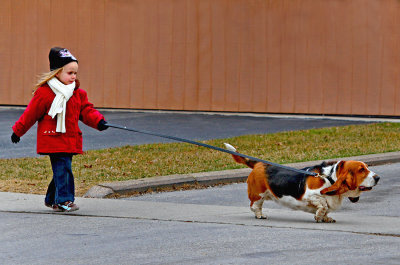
(48, 140)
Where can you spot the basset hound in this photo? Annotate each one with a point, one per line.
(319, 194)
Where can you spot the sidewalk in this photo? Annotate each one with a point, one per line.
(207, 214)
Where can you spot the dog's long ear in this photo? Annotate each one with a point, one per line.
(342, 183)
(339, 187)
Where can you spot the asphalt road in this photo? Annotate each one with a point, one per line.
(212, 226)
(193, 126)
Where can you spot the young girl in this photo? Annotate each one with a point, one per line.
(58, 104)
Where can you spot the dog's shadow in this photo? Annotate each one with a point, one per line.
(277, 221)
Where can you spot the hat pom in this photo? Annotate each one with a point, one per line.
(58, 57)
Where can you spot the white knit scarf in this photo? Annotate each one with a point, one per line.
(59, 105)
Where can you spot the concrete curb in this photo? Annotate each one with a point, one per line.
(205, 179)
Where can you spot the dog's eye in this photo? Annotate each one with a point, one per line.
(361, 170)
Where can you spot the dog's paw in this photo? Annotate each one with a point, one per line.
(324, 219)
(329, 220)
(261, 216)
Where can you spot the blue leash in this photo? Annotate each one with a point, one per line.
(211, 147)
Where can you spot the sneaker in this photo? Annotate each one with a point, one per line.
(67, 206)
(52, 206)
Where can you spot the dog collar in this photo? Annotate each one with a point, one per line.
(330, 180)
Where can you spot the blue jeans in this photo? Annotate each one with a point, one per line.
(61, 187)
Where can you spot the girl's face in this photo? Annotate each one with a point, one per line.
(68, 74)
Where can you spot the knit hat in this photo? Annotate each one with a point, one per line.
(58, 57)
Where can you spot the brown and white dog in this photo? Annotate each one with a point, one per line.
(319, 194)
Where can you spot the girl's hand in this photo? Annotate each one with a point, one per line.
(102, 125)
(15, 138)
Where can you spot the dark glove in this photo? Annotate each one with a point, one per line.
(15, 138)
(102, 125)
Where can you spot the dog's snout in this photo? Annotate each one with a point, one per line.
(376, 178)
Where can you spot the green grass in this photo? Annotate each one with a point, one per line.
(32, 175)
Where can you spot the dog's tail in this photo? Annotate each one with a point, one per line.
(239, 159)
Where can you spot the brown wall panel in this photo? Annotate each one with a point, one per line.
(16, 62)
(5, 69)
(178, 55)
(204, 58)
(166, 39)
(137, 55)
(190, 96)
(279, 56)
(151, 55)
(218, 56)
(344, 56)
(233, 48)
(259, 78)
(273, 49)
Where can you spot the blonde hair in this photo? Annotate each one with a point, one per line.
(43, 78)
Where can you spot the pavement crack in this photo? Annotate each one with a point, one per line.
(75, 214)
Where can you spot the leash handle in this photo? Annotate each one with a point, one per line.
(211, 147)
